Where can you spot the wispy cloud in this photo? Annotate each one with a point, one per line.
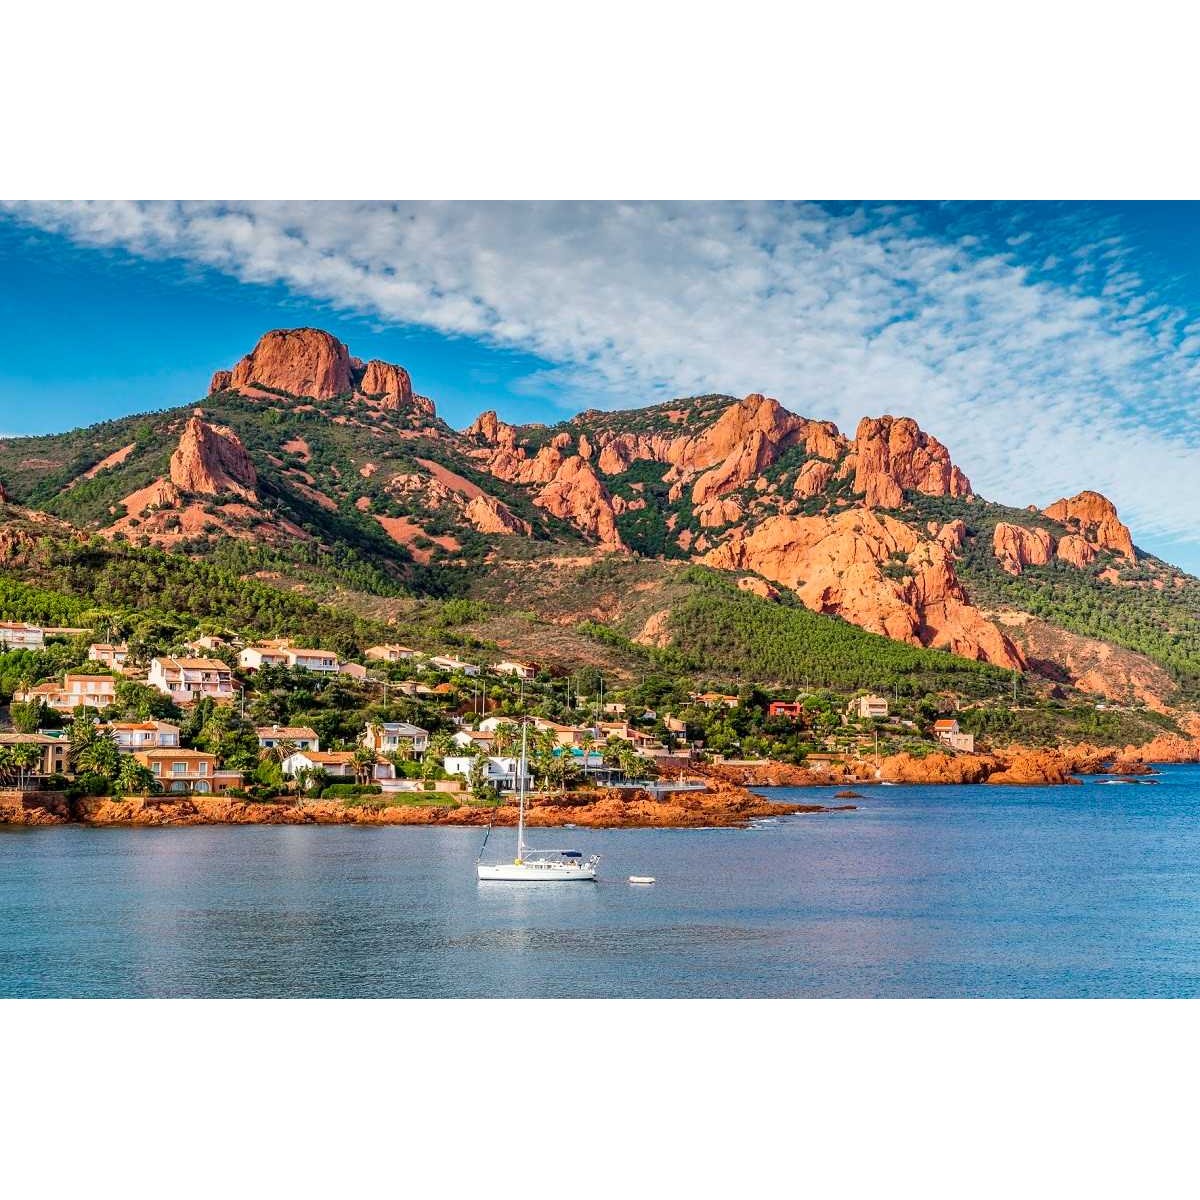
(1043, 362)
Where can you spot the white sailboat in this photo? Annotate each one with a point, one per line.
(536, 866)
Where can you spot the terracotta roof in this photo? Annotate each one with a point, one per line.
(285, 731)
(194, 664)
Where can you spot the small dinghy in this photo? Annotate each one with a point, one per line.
(642, 879)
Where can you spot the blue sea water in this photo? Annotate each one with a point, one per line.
(924, 891)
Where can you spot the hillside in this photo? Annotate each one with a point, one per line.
(844, 561)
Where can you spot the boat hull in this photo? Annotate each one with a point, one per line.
(532, 872)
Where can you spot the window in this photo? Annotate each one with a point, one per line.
(202, 768)
(179, 768)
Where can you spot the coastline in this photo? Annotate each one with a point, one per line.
(729, 801)
(721, 805)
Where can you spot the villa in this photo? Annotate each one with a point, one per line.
(520, 670)
(501, 771)
(76, 691)
(274, 654)
(395, 737)
(132, 736)
(187, 680)
(947, 732)
(54, 750)
(714, 699)
(300, 736)
(442, 662)
(793, 710)
(865, 707)
(16, 635)
(391, 653)
(111, 654)
(338, 764)
(188, 771)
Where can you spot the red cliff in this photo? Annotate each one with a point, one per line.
(302, 362)
(893, 455)
(211, 460)
(1017, 547)
(1095, 518)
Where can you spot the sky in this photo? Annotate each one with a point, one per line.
(1051, 347)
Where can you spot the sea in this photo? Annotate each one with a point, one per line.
(1085, 891)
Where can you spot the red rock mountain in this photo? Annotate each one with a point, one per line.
(740, 485)
(211, 460)
(892, 455)
(314, 364)
(1094, 517)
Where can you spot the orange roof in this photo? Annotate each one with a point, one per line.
(194, 664)
(944, 724)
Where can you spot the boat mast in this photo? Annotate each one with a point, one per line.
(521, 794)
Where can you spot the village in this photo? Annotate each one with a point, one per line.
(428, 727)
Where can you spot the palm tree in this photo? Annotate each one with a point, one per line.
(363, 760)
(133, 778)
(283, 750)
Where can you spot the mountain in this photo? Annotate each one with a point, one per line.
(313, 469)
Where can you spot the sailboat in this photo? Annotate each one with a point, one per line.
(536, 866)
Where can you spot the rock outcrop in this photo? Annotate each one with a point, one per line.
(489, 515)
(211, 460)
(302, 362)
(313, 364)
(875, 572)
(391, 387)
(576, 494)
(1017, 547)
(1095, 518)
(893, 455)
(1076, 550)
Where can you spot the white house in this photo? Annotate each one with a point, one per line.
(301, 737)
(337, 764)
(521, 670)
(271, 654)
(499, 770)
(947, 732)
(132, 736)
(16, 635)
(442, 662)
(394, 737)
(187, 680)
(391, 652)
(865, 707)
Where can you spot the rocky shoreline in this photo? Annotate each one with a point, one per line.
(721, 805)
(727, 802)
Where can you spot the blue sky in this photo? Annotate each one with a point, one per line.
(1051, 347)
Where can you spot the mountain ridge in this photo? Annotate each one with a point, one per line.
(881, 529)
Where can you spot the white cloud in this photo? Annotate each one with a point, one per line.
(1039, 388)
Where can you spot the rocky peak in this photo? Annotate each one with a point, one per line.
(1095, 517)
(302, 362)
(893, 455)
(211, 460)
(491, 431)
(391, 387)
(1017, 547)
(314, 364)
